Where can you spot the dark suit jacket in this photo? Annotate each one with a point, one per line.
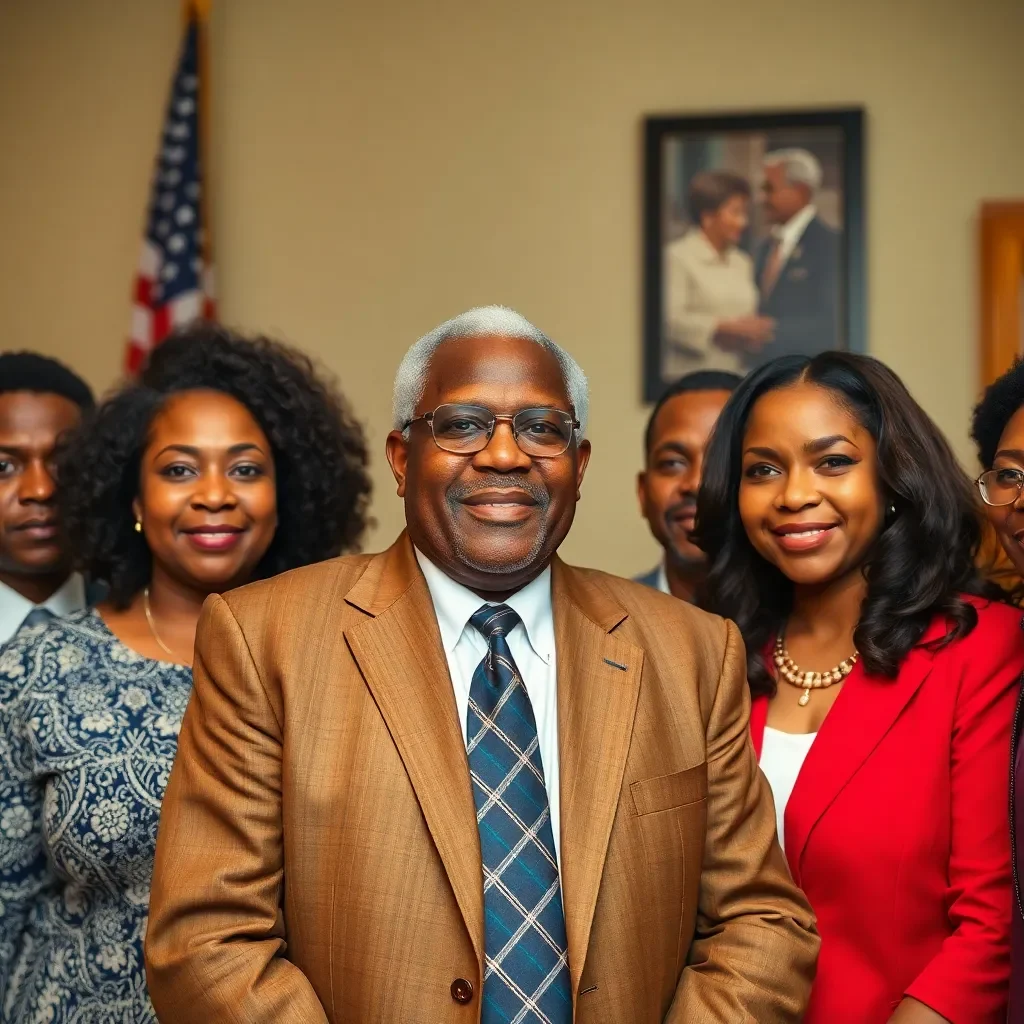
(319, 861)
(805, 300)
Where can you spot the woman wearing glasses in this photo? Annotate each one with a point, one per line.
(229, 461)
(841, 534)
(998, 433)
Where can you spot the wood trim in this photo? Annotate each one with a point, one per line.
(1002, 277)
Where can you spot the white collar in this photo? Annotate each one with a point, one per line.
(454, 604)
(662, 579)
(791, 232)
(68, 598)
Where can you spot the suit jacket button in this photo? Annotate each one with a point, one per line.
(462, 991)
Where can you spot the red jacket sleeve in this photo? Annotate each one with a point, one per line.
(967, 981)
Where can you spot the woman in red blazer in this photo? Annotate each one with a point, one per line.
(841, 533)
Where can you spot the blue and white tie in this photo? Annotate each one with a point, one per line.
(526, 976)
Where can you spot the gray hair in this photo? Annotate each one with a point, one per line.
(482, 322)
(802, 168)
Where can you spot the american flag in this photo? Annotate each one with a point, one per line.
(175, 280)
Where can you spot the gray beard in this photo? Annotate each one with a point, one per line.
(457, 493)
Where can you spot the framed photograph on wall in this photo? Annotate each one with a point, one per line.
(753, 240)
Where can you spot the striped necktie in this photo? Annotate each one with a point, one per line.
(526, 976)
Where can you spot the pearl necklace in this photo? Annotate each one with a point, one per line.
(807, 681)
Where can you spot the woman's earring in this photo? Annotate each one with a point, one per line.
(138, 526)
(891, 509)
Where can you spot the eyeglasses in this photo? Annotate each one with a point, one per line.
(1000, 486)
(466, 429)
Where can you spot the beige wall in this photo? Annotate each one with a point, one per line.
(381, 166)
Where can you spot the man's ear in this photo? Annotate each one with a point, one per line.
(397, 449)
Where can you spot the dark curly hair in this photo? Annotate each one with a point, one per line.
(319, 452)
(997, 407)
(920, 564)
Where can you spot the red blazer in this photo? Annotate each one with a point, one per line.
(898, 831)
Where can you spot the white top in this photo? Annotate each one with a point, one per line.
(782, 757)
(68, 598)
(532, 643)
(662, 580)
(790, 233)
(702, 288)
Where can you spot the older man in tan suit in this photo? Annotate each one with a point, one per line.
(461, 780)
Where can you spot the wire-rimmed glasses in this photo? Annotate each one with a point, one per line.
(1000, 486)
(467, 429)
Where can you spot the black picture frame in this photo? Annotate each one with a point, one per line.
(774, 129)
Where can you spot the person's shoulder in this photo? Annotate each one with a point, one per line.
(818, 229)
(996, 619)
(291, 591)
(997, 636)
(46, 656)
(685, 248)
(652, 611)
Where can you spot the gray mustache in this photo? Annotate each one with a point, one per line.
(458, 492)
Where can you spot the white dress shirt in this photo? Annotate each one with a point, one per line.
(788, 235)
(68, 598)
(532, 643)
(662, 581)
(782, 757)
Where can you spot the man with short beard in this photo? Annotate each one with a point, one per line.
(462, 781)
(677, 433)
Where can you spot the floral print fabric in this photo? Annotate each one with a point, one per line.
(88, 733)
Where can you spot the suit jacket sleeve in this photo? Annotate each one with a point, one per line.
(966, 982)
(215, 944)
(756, 947)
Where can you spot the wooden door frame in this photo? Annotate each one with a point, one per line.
(1002, 275)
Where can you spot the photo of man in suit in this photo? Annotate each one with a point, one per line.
(797, 266)
(461, 780)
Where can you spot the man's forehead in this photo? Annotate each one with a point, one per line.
(36, 412)
(473, 368)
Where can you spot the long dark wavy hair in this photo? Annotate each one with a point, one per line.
(923, 559)
(320, 456)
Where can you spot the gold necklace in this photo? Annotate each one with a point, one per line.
(152, 625)
(807, 681)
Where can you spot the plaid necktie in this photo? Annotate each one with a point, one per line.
(526, 978)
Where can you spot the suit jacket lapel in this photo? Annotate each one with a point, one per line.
(400, 655)
(863, 713)
(598, 686)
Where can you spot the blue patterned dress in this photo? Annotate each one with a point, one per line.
(88, 733)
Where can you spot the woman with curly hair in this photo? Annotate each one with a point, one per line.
(841, 535)
(998, 433)
(229, 461)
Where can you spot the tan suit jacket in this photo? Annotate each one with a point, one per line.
(319, 860)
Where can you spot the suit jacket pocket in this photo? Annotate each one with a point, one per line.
(667, 791)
